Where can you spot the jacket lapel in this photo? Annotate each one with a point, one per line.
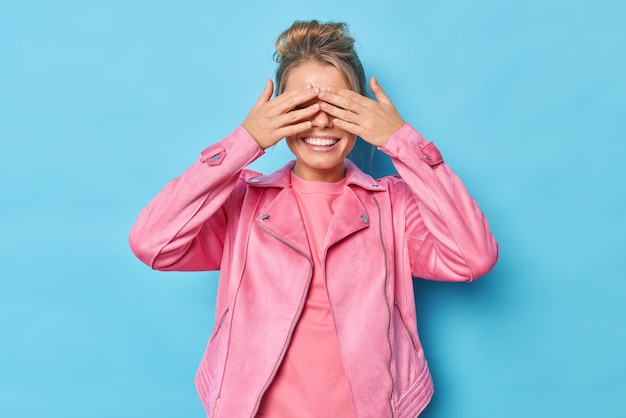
(281, 218)
(350, 216)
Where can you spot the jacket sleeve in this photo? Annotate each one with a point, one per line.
(183, 227)
(447, 235)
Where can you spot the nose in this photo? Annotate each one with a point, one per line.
(322, 120)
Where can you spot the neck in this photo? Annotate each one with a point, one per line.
(330, 175)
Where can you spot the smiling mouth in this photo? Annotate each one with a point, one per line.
(320, 142)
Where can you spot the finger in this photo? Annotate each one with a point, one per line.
(378, 91)
(353, 128)
(294, 98)
(299, 114)
(343, 98)
(341, 113)
(295, 129)
(266, 95)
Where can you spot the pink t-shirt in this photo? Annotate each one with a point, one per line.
(311, 381)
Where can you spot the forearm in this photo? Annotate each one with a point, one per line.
(166, 230)
(455, 241)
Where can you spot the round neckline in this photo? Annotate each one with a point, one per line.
(314, 186)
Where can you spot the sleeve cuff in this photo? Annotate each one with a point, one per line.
(406, 141)
(239, 144)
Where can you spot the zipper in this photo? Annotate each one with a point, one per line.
(217, 403)
(389, 325)
(293, 325)
(219, 325)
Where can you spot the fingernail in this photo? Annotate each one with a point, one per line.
(316, 90)
(324, 105)
(322, 95)
(329, 89)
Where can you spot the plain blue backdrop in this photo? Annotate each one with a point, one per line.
(103, 102)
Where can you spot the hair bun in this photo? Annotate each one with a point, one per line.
(324, 43)
(302, 31)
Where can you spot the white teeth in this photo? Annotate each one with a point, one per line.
(320, 142)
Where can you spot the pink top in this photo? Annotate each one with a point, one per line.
(311, 381)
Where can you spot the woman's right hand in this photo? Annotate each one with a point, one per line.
(269, 121)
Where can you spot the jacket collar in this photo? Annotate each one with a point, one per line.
(281, 178)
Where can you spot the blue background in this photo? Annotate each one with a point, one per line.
(103, 102)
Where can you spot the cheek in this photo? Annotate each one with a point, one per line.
(351, 141)
(291, 142)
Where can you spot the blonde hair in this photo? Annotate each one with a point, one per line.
(326, 43)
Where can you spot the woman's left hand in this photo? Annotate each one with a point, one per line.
(373, 120)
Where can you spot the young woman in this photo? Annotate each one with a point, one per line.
(315, 315)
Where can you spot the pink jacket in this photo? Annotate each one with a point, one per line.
(219, 216)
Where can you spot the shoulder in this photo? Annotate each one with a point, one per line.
(393, 183)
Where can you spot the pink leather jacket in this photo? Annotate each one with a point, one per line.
(219, 216)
